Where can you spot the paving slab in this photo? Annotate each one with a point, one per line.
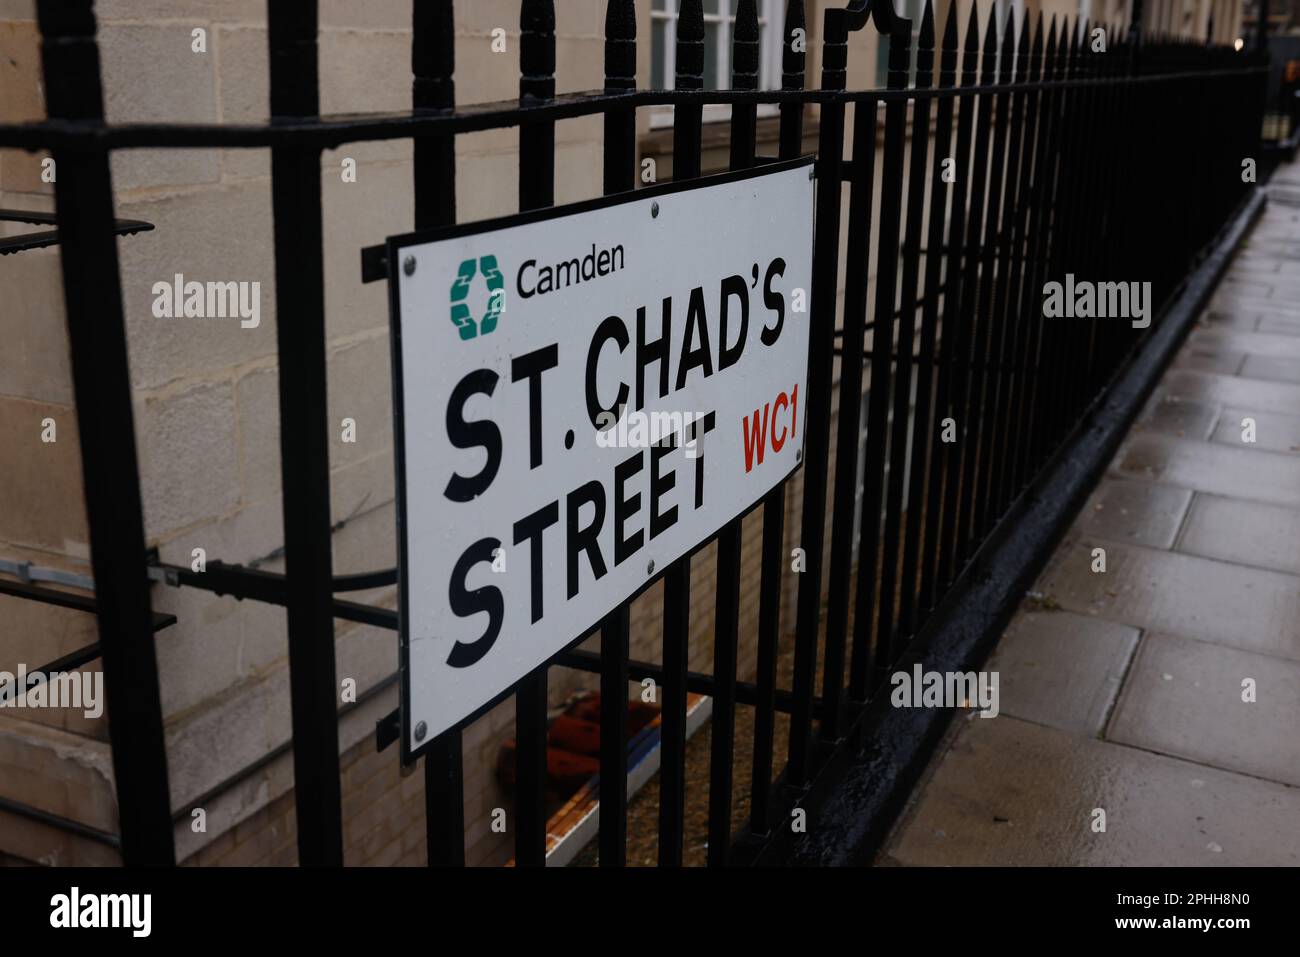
(1283, 397)
(1061, 669)
(1184, 698)
(1253, 343)
(1278, 324)
(1011, 793)
(1229, 301)
(1248, 264)
(1174, 416)
(1210, 360)
(1137, 513)
(1243, 472)
(1232, 320)
(1249, 608)
(1273, 432)
(1245, 533)
(1244, 286)
(1273, 368)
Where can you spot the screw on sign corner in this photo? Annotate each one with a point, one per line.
(460, 314)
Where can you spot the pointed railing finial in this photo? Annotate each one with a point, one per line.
(1007, 60)
(537, 49)
(988, 61)
(690, 45)
(925, 47)
(971, 48)
(948, 58)
(620, 45)
(794, 49)
(744, 47)
(433, 56)
(1036, 50)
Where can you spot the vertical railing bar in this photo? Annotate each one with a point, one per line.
(433, 87)
(1084, 185)
(957, 325)
(773, 555)
(1132, 197)
(101, 381)
(723, 720)
(536, 191)
(936, 281)
(1027, 301)
(434, 169)
(1058, 339)
(744, 76)
(304, 438)
(974, 316)
(1039, 350)
(1106, 111)
(999, 256)
(882, 345)
(1125, 101)
(1010, 262)
(1039, 425)
(830, 153)
(619, 176)
(848, 425)
(614, 633)
(687, 122)
(874, 622)
(992, 156)
(920, 424)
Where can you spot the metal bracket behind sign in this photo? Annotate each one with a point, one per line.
(374, 263)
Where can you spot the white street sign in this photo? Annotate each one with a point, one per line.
(583, 395)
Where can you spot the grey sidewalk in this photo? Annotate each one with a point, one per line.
(1123, 691)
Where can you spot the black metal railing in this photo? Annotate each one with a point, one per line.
(1032, 151)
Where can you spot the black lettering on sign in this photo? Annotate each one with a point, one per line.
(611, 329)
(625, 507)
(464, 603)
(584, 539)
(530, 530)
(531, 367)
(468, 435)
(732, 286)
(710, 420)
(654, 350)
(660, 485)
(774, 301)
(692, 357)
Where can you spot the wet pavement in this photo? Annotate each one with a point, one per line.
(1150, 712)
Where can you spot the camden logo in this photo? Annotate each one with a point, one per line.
(461, 315)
